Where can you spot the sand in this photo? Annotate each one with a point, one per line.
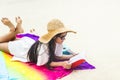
(96, 23)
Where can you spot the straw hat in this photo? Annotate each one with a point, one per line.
(54, 27)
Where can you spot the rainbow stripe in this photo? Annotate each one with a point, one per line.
(14, 70)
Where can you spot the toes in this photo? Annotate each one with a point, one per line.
(32, 30)
(4, 20)
(19, 17)
(18, 20)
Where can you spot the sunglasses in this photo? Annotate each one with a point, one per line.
(62, 37)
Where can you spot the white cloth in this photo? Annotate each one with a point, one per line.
(19, 50)
(59, 49)
(43, 55)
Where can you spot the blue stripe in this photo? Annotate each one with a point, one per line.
(3, 70)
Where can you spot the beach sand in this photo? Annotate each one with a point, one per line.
(96, 22)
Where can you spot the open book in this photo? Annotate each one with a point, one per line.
(77, 59)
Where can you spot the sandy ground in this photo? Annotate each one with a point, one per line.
(97, 24)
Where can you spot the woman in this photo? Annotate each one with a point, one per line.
(46, 50)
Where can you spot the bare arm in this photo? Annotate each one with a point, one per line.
(62, 63)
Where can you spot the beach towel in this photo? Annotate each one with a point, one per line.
(10, 70)
(15, 70)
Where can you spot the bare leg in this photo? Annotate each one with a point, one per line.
(13, 31)
(19, 28)
(4, 47)
(11, 34)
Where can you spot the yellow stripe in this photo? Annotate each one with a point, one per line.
(26, 71)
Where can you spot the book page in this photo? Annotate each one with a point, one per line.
(81, 55)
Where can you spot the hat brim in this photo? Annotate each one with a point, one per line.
(47, 37)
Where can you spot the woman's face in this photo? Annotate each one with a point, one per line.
(60, 38)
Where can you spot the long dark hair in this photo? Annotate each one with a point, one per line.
(33, 52)
(51, 47)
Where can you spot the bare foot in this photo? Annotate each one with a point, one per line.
(8, 23)
(32, 30)
(19, 28)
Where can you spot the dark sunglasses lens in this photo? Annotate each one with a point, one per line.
(62, 37)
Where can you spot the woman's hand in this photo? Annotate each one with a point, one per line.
(66, 65)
